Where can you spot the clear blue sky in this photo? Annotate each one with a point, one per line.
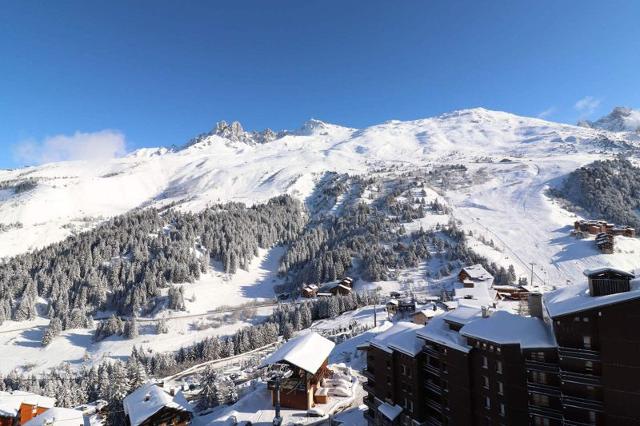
(162, 71)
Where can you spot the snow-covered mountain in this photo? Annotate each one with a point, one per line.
(230, 163)
(621, 119)
(510, 162)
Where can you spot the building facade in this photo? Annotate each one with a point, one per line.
(574, 361)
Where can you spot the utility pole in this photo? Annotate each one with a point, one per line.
(532, 265)
(277, 420)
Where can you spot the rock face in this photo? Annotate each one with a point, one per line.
(234, 132)
(621, 119)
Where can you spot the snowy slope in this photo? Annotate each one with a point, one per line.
(508, 207)
(227, 165)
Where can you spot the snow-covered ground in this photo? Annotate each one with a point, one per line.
(512, 210)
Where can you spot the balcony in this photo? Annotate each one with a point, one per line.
(432, 421)
(580, 378)
(578, 353)
(541, 366)
(543, 389)
(435, 405)
(433, 387)
(576, 423)
(369, 401)
(431, 369)
(431, 351)
(369, 386)
(581, 403)
(368, 373)
(545, 412)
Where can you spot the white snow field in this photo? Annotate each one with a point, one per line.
(509, 207)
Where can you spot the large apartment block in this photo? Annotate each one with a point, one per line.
(574, 361)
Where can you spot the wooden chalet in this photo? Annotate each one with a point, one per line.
(595, 227)
(512, 292)
(340, 289)
(309, 290)
(605, 243)
(423, 316)
(151, 405)
(58, 416)
(469, 275)
(17, 407)
(306, 357)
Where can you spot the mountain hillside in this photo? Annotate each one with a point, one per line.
(230, 164)
(621, 119)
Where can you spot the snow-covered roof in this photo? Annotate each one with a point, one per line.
(576, 298)
(430, 313)
(504, 328)
(307, 351)
(58, 416)
(400, 337)
(479, 295)
(392, 302)
(438, 331)
(463, 314)
(10, 402)
(147, 400)
(596, 271)
(390, 411)
(477, 273)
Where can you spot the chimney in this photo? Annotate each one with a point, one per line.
(485, 312)
(535, 304)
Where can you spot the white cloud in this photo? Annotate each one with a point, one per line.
(587, 106)
(547, 112)
(100, 145)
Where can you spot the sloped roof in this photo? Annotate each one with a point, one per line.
(504, 328)
(477, 272)
(438, 331)
(58, 416)
(576, 298)
(10, 402)
(307, 352)
(147, 400)
(400, 337)
(462, 314)
(596, 271)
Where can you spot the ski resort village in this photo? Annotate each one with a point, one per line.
(476, 268)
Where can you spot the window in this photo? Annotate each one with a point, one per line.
(410, 406)
(503, 410)
(540, 400)
(588, 365)
(499, 367)
(539, 377)
(485, 382)
(389, 364)
(485, 362)
(592, 416)
(498, 349)
(585, 319)
(500, 388)
(537, 356)
(541, 421)
(586, 342)
(403, 369)
(487, 402)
